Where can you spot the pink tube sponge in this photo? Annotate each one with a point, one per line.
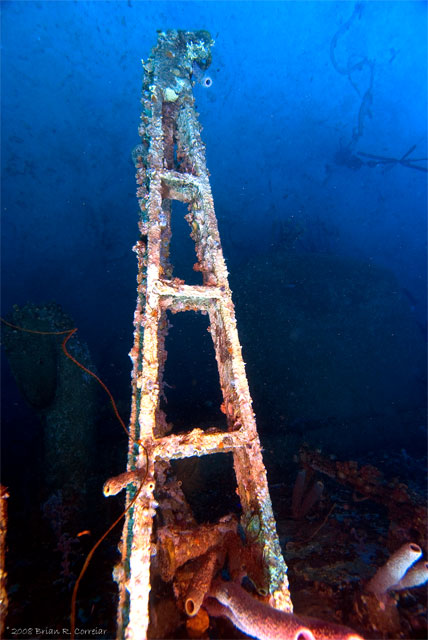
(302, 502)
(261, 621)
(415, 577)
(312, 497)
(394, 570)
(298, 490)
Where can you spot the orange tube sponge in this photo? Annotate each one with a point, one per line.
(395, 569)
(200, 582)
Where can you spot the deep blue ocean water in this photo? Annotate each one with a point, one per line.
(315, 126)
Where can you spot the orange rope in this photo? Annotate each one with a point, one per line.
(89, 558)
(68, 334)
(94, 375)
(43, 333)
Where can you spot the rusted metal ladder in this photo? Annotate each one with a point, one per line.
(171, 166)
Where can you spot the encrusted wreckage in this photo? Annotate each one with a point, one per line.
(407, 512)
(4, 495)
(170, 164)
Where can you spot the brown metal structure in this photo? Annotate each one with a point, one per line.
(171, 166)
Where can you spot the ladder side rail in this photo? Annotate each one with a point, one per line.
(248, 461)
(139, 519)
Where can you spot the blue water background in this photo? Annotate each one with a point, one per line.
(282, 128)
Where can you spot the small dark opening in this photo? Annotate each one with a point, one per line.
(182, 247)
(169, 111)
(192, 386)
(209, 484)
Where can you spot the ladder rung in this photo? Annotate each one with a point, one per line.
(195, 297)
(197, 443)
(181, 186)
